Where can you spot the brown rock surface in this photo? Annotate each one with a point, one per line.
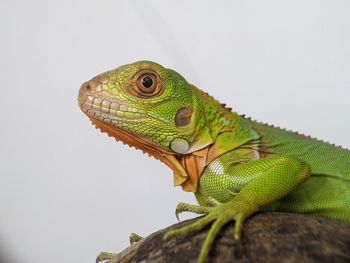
(267, 237)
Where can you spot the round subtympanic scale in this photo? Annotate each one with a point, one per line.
(179, 145)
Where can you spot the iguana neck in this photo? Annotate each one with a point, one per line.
(222, 125)
(216, 116)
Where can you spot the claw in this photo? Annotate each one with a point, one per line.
(177, 213)
(179, 209)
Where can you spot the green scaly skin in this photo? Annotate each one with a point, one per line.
(253, 167)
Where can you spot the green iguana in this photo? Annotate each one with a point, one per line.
(235, 166)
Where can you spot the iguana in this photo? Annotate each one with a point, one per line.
(235, 166)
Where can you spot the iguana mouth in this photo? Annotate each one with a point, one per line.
(167, 157)
(100, 105)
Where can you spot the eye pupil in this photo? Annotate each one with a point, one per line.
(147, 82)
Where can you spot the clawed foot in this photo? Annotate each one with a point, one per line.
(218, 216)
(184, 207)
(105, 256)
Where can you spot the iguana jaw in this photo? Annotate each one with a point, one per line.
(167, 157)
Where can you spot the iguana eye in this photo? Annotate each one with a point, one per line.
(147, 84)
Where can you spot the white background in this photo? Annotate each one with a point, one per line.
(66, 191)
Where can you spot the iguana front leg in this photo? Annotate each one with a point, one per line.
(267, 179)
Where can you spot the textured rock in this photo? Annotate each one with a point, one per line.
(267, 237)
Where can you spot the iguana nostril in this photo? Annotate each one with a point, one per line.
(88, 87)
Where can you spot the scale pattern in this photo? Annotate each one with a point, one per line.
(324, 189)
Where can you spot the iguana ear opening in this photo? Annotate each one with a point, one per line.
(183, 117)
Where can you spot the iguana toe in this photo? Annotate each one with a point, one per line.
(134, 238)
(105, 256)
(184, 207)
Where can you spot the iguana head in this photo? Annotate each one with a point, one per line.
(149, 107)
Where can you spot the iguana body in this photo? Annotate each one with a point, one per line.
(235, 166)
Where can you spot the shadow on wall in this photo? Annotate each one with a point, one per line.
(162, 33)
